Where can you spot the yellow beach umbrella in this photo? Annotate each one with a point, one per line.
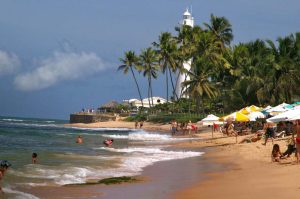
(244, 111)
(236, 116)
(240, 117)
(254, 108)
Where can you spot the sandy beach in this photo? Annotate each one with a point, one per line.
(246, 171)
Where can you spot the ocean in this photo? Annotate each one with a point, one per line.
(61, 161)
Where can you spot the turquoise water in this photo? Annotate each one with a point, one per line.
(61, 161)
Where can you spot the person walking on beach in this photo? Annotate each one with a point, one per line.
(173, 127)
(136, 124)
(297, 140)
(4, 165)
(141, 124)
(34, 158)
(269, 133)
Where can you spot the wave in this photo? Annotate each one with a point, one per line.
(130, 163)
(98, 129)
(12, 120)
(19, 194)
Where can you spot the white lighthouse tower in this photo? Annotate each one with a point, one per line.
(188, 20)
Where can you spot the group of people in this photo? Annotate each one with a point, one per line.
(138, 124)
(293, 146)
(4, 166)
(107, 142)
(185, 127)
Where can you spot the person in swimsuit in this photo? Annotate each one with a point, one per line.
(4, 165)
(173, 127)
(108, 142)
(276, 153)
(79, 139)
(297, 140)
(34, 158)
(269, 133)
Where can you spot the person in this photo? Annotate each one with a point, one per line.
(254, 138)
(108, 142)
(216, 127)
(136, 124)
(297, 140)
(173, 127)
(34, 158)
(4, 165)
(79, 139)
(230, 130)
(141, 124)
(269, 133)
(189, 126)
(276, 154)
(290, 148)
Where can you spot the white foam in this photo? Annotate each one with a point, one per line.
(99, 129)
(12, 120)
(19, 194)
(115, 136)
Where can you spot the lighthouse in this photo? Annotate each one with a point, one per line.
(188, 20)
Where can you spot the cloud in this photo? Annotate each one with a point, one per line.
(60, 67)
(9, 63)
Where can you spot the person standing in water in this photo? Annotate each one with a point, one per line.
(4, 165)
(79, 139)
(34, 158)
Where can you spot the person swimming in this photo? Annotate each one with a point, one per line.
(79, 139)
(108, 142)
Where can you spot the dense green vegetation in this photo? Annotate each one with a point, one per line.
(223, 77)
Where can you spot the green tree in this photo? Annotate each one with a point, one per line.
(129, 63)
(149, 66)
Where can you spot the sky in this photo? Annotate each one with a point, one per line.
(59, 56)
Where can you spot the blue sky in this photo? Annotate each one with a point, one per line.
(58, 56)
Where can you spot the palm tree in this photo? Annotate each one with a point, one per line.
(166, 51)
(129, 63)
(149, 64)
(221, 28)
(199, 84)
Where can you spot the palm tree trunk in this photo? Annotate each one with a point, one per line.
(151, 91)
(137, 85)
(174, 92)
(149, 83)
(167, 84)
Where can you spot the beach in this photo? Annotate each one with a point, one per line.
(247, 170)
(190, 166)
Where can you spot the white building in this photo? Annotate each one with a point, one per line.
(189, 21)
(137, 103)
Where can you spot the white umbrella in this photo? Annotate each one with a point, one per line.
(210, 118)
(286, 116)
(254, 115)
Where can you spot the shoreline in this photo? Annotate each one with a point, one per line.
(246, 171)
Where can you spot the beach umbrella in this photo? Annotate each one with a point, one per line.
(278, 109)
(210, 118)
(254, 115)
(237, 116)
(285, 116)
(244, 111)
(254, 108)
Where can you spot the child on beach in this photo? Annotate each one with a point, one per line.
(34, 158)
(276, 153)
(4, 165)
(141, 124)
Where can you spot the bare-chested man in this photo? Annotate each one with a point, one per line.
(297, 141)
(4, 165)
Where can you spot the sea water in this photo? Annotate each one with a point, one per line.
(61, 161)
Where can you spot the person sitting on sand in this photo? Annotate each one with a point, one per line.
(34, 158)
(276, 154)
(290, 148)
(79, 139)
(108, 142)
(4, 165)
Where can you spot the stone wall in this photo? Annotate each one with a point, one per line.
(91, 118)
